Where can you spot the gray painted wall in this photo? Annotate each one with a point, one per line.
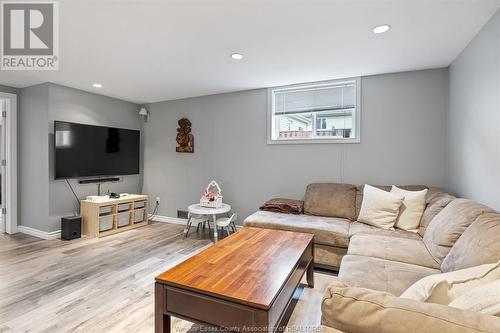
(45, 200)
(78, 106)
(474, 118)
(33, 157)
(403, 140)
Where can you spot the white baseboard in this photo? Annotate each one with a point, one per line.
(176, 220)
(57, 234)
(39, 233)
(168, 219)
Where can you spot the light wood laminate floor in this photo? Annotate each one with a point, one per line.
(102, 285)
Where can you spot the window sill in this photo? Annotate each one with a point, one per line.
(310, 141)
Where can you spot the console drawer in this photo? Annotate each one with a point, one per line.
(123, 207)
(139, 215)
(208, 309)
(105, 222)
(105, 210)
(123, 219)
(139, 204)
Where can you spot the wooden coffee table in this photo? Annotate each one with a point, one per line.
(246, 282)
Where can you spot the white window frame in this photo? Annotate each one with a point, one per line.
(356, 115)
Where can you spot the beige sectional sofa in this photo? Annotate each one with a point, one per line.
(376, 265)
(330, 212)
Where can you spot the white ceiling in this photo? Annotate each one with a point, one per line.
(147, 51)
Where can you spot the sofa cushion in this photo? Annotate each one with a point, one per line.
(327, 230)
(479, 244)
(432, 191)
(447, 226)
(328, 255)
(361, 228)
(380, 274)
(331, 200)
(359, 192)
(361, 310)
(410, 251)
(435, 202)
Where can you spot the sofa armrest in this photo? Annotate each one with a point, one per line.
(352, 309)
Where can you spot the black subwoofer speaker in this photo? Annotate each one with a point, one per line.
(71, 227)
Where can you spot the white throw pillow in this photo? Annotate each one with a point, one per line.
(411, 210)
(380, 208)
(484, 299)
(445, 287)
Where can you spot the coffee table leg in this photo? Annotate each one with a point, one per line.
(166, 324)
(310, 270)
(214, 217)
(162, 320)
(310, 275)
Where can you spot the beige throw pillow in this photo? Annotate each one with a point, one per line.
(380, 208)
(484, 299)
(411, 210)
(445, 287)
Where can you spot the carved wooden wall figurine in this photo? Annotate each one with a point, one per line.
(184, 137)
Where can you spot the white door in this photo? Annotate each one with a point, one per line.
(3, 158)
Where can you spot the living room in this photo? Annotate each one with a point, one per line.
(248, 165)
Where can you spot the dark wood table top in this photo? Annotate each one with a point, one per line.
(249, 267)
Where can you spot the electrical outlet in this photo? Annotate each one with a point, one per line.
(158, 200)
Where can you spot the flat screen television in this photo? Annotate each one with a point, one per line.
(88, 151)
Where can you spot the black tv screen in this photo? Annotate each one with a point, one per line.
(87, 151)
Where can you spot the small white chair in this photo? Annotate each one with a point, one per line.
(226, 223)
(198, 219)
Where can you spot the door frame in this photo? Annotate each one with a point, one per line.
(10, 178)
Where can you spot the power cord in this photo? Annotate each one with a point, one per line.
(76, 197)
(155, 211)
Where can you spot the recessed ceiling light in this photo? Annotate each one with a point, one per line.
(380, 29)
(96, 85)
(237, 56)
